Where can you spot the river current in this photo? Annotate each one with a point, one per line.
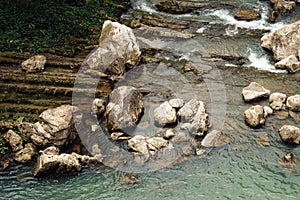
(240, 170)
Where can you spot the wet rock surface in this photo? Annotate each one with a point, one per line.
(247, 15)
(254, 92)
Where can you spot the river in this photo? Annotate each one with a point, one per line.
(240, 170)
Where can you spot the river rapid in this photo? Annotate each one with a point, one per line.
(240, 170)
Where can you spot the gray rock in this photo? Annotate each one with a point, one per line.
(117, 48)
(14, 140)
(215, 139)
(289, 133)
(49, 163)
(34, 64)
(255, 91)
(194, 117)
(283, 42)
(26, 154)
(124, 108)
(293, 103)
(277, 101)
(55, 127)
(176, 103)
(165, 114)
(254, 116)
(98, 106)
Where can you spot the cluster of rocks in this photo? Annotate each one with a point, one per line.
(256, 115)
(285, 45)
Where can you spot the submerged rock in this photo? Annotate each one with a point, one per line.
(289, 161)
(247, 15)
(254, 92)
(55, 127)
(25, 155)
(117, 48)
(289, 133)
(293, 103)
(254, 116)
(283, 42)
(165, 114)
(263, 140)
(124, 108)
(194, 117)
(34, 64)
(277, 101)
(215, 139)
(14, 140)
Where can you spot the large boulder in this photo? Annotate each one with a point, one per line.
(14, 140)
(34, 64)
(194, 117)
(255, 116)
(283, 42)
(50, 162)
(165, 114)
(124, 108)
(293, 103)
(26, 154)
(247, 15)
(254, 92)
(117, 48)
(290, 134)
(277, 100)
(55, 127)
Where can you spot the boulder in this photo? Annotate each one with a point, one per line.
(290, 134)
(254, 116)
(176, 103)
(34, 64)
(293, 103)
(283, 42)
(55, 127)
(267, 111)
(144, 145)
(49, 162)
(165, 114)
(98, 106)
(254, 92)
(291, 63)
(26, 154)
(277, 101)
(117, 48)
(215, 139)
(14, 140)
(281, 7)
(124, 108)
(247, 15)
(194, 117)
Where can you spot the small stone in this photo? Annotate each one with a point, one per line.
(247, 15)
(98, 106)
(267, 111)
(200, 152)
(215, 139)
(34, 64)
(176, 103)
(289, 161)
(277, 101)
(165, 114)
(263, 140)
(290, 134)
(254, 116)
(295, 115)
(14, 140)
(139, 144)
(119, 136)
(293, 103)
(169, 134)
(254, 92)
(4, 165)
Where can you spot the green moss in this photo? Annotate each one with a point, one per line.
(53, 26)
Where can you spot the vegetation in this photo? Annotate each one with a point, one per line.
(61, 27)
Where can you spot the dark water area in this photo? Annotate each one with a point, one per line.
(243, 169)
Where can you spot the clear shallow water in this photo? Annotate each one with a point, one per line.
(240, 170)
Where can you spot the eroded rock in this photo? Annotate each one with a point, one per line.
(254, 116)
(26, 154)
(290, 134)
(289, 161)
(165, 114)
(293, 103)
(254, 92)
(291, 63)
(267, 111)
(124, 108)
(281, 7)
(176, 103)
(277, 101)
(144, 145)
(14, 140)
(34, 64)
(215, 139)
(247, 15)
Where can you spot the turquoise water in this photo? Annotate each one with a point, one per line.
(240, 170)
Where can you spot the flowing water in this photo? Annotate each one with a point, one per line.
(240, 170)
